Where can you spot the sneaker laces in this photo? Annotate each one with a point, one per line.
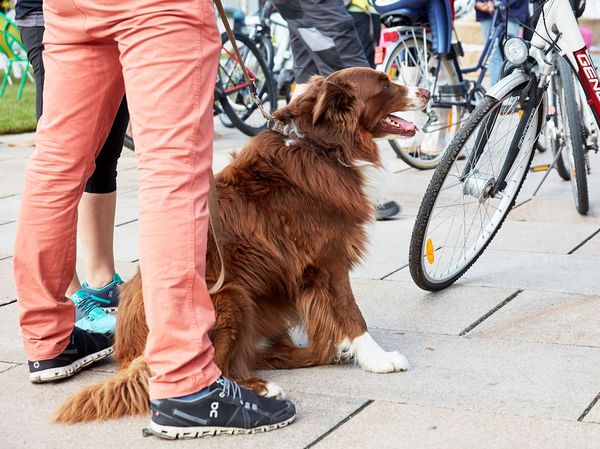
(87, 305)
(230, 388)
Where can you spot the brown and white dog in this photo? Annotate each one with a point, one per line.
(294, 212)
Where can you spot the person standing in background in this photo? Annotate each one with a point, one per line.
(99, 294)
(324, 39)
(516, 11)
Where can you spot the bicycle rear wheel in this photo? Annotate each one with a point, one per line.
(233, 90)
(413, 62)
(458, 216)
(573, 150)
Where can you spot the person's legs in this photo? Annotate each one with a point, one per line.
(495, 60)
(98, 205)
(82, 87)
(174, 153)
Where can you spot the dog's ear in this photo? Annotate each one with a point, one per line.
(336, 102)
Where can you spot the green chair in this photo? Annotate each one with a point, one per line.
(12, 46)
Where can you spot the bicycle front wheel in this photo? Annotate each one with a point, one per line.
(413, 62)
(459, 215)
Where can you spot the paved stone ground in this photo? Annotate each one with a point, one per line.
(509, 357)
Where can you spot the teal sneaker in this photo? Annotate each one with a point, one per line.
(107, 297)
(93, 318)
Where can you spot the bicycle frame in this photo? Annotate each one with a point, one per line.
(558, 15)
(564, 32)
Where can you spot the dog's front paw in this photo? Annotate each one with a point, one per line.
(384, 362)
(371, 357)
(273, 390)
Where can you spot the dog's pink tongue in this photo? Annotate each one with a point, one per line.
(406, 126)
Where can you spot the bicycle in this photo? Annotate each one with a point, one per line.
(467, 201)
(232, 92)
(423, 55)
(270, 33)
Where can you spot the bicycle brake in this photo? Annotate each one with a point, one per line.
(528, 91)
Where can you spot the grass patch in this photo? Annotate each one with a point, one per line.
(17, 116)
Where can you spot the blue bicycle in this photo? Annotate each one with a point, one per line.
(422, 53)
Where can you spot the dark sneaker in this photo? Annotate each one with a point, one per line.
(107, 297)
(386, 210)
(84, 349)
(222, 408)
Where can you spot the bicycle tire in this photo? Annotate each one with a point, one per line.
(420, 162)
(268, 88)
(416, 259)
(264, 44)
(575, 160)
(561, 169)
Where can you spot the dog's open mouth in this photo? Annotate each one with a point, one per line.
(392, 124)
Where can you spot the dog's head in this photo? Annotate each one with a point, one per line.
(352, 106)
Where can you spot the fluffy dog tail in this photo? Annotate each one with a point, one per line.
(124, 394)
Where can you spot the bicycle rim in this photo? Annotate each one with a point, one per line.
(457, 218)
(413, 63)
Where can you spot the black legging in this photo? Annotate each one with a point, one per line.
(104, 178)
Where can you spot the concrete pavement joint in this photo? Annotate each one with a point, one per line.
(490, 313)
(393, 272)
(341, 423)
(8, 303)
(589, 407)
(522, 202)
(8, 222)
(5, 257)
(126, 222)
(584, 242)
(10, 195)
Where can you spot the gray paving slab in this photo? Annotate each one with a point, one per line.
(549, 317)
(4, 366)
(541, 237)
(590, 248)
(11, 344)
(386, 425)
(531, 271)
(8, 231)
(594, 414)
(317, 413)
(126, 243)
(387, 248)
(408, 308)
(9, 207)
(8, 290)
(506, 377)
(554, 210)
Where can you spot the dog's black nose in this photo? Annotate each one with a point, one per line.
(424, 93)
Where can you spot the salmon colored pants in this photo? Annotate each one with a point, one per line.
(164, 54)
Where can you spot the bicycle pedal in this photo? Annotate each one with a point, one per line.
(538, 168)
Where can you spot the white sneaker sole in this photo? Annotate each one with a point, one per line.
(62, 372)
(184, 433)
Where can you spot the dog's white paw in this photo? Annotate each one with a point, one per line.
(273, 390)
(384, 362)
(371, 357)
